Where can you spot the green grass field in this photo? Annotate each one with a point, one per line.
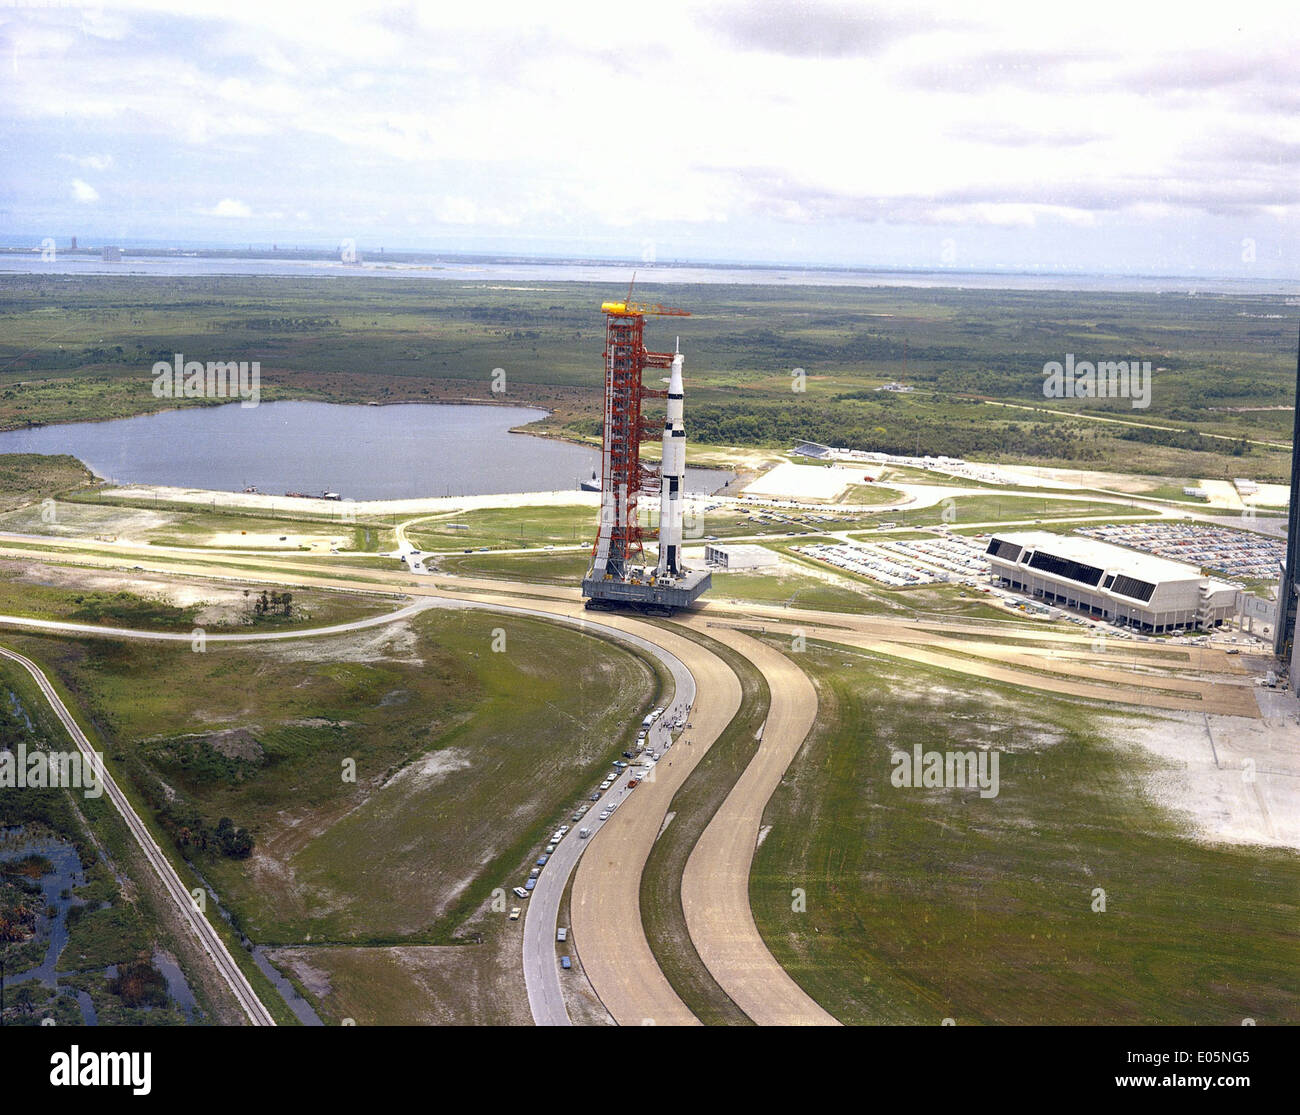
(463, 756)
(958, 511)
(870, 493)
(932, 904)
(563, 568)
(149, 602)
(27, 478)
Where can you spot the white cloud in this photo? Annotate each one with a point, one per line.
(511, 115)
(90, 162)
(84, 192)
(229, 207)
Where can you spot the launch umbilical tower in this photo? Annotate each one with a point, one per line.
(618, 573)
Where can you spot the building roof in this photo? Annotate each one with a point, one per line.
(1106, 555)
(742, 549)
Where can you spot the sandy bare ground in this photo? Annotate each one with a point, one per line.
(1081, 478)
(329, 509)
(1235, 780)
(1062, 676)
(715, 882)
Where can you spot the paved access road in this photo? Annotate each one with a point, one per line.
(541, 968)
(208, 937)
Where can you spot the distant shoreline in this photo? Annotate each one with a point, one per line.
(25, 259)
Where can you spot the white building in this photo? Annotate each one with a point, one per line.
(1111, 582)
(736, 558)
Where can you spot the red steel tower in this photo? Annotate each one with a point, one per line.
(623, 476)
(613, 578)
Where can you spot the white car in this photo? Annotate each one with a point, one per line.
(604, 814)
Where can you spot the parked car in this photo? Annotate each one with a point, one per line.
(515, 911)
(566, 963)
(530, 884)
(561, 934)
(519, 892)
(595, 795)
(534, 872)
(541, 860)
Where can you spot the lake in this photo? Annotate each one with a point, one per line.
(402, 451)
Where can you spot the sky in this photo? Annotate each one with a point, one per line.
(1107, 137)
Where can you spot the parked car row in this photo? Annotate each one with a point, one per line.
(1237, 553)
(620, 766)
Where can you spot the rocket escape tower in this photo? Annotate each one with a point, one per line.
(618, 573)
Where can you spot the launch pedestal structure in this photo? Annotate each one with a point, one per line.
(618, 573)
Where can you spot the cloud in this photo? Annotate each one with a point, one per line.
(726, 123)
(84, 192)
(1014, 134)
(89, 162)
(810, 30)
(991, 69)
(229, 207)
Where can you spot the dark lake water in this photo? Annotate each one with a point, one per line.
(404, 451)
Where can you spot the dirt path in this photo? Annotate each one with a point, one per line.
(715, 883)
(606, 902)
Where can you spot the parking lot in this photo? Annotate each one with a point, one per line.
(899, 564)
(1235, 553)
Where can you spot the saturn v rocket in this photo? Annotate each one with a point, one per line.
(672, 478)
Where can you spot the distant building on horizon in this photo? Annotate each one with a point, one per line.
(112, 254)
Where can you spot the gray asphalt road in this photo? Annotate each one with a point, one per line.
(542, 972)
(208, 937)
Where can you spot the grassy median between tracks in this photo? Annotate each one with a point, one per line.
(692, 808)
